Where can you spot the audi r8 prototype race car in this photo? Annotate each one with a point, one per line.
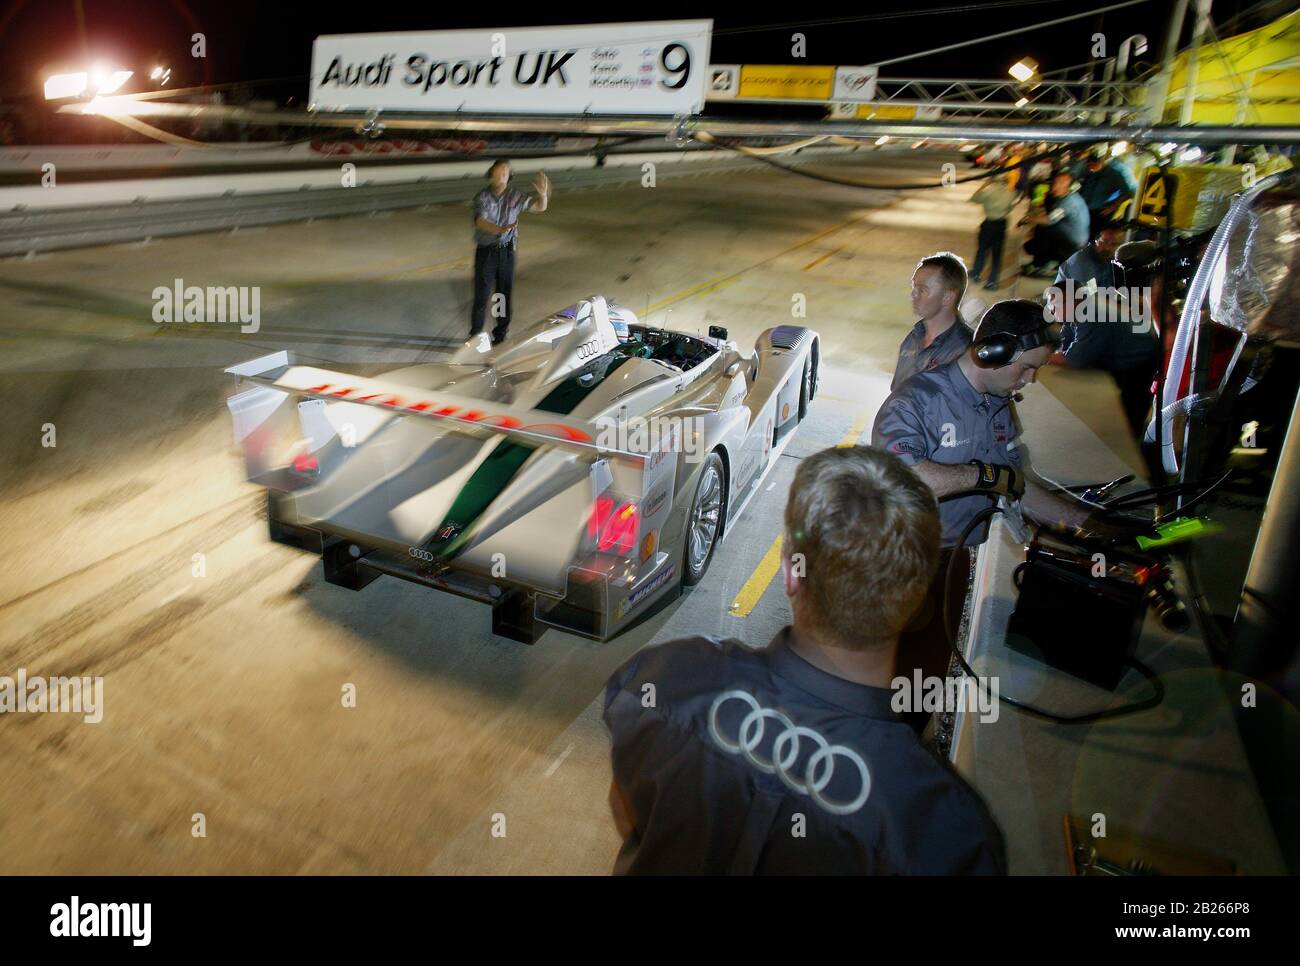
(568, 478)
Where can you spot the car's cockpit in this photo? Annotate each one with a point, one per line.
(672, 349)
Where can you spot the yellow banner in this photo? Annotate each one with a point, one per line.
(1252, 78)
(761, 80)
(886, 112)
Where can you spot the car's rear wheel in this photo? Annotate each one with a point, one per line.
(704, 521)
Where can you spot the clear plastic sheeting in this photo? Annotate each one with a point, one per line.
(1254, 287)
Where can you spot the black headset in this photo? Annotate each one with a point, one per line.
(998, 349)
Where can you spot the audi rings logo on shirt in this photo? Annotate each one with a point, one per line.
(419, 554)
(785, 752)
(588, 349)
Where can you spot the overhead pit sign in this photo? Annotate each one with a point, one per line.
(634, 68)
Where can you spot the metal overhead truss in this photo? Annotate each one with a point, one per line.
(1041, 96)
(682, 129)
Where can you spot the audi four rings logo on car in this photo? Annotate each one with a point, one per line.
(589, 349)
(785, 752)
(419, 554)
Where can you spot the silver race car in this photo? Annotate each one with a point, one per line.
(569, 478)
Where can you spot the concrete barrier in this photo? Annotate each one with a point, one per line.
(35, 219)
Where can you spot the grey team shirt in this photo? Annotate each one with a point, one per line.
(698, 809)
(939, 416)
(503, 210)
(952, 342)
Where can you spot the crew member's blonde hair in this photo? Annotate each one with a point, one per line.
(868, 530)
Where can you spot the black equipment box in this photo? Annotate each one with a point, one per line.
(1076, 622)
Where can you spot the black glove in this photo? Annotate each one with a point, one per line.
(997, 478)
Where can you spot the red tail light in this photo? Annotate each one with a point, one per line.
(613, 528)
(599, 514)
(305, 463)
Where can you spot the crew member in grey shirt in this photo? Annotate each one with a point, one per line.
(939, 335)
(956, 427)
(791, 759)
(496, 227)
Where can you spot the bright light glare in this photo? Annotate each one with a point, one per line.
(1189, 154)
(1022, 102)
(1118, 148)
(883, 139)
(98, 80)
(65, 85)
(114, 81)
(1022, 70)
(155, 73)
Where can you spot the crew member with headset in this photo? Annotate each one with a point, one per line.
(496, 227)
(956, 427)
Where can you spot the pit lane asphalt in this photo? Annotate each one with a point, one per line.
(223, 673)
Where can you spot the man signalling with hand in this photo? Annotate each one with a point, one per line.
(496, 228)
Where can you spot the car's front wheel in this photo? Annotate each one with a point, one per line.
(704, 521)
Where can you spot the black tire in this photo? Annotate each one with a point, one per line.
(709, 502)
(805, 388)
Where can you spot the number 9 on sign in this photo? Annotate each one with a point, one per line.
(675, 62)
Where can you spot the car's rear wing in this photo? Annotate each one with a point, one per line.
(277, 372)
(285, 453)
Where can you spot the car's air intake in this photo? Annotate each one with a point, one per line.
(787, 336)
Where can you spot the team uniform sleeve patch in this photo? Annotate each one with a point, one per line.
(899, 430)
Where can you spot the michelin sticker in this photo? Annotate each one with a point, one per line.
(639, 595)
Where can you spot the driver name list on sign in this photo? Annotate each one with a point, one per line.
(606, 71)
(653, 68)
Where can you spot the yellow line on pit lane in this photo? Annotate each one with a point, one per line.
(821, 258)
(767, 568)
(749, 594)
(713, 284)
(855, 432)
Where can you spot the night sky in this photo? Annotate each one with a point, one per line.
(253, 41)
